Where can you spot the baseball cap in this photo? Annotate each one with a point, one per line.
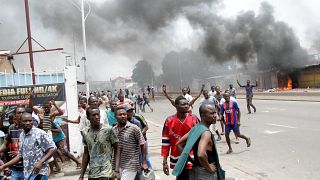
(128, 107)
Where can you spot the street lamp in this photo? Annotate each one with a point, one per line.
(83, 21)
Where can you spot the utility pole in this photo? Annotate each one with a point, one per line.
(30, 41)
(83, 21)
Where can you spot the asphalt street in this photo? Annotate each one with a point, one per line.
(284, 137)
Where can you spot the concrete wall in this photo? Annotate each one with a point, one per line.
(75, 139)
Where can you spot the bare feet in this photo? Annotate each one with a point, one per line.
(229, 151)
(248, 142)
(219, 138)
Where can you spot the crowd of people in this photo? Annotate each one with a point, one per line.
(114, 136)
(140, 100)
(190, 143)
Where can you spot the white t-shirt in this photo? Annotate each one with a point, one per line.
(84, 122)
(188, 97)
(212, 93)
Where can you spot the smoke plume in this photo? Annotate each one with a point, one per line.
(145, 29)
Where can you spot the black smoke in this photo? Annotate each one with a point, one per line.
(260, 36)
(137, 29)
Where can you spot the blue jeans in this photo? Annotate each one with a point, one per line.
(43, 177)
(147, 157)
(17, 175)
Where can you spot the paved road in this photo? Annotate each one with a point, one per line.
(284, 137)
(284, 140)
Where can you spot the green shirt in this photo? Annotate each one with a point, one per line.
(100, 149)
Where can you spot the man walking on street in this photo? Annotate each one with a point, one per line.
(218, 97)
(131, 145)
(36, 149)
(174, 128)
(211, 100)
(249, 94)
(233, 91)
(232, 120)
(12, 141)
(110, 113)
(206, 165)
(100, 145)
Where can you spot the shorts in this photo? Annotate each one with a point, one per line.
(62, 146)
(233, 127)
(213, 128)
(127, 174)
(38, 177)
(200, 173)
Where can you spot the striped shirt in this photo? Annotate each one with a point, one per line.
(230, 110)
(130, 139)
(126, 102)
(173, 130)
(46, 123)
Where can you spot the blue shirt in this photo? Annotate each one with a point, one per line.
(111, 117)
(57, 137)
(133, 120)
(33, 146)
(249, 88)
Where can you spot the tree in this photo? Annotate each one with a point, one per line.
(143, 73)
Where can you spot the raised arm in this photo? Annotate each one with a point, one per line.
(75, 121)
(59, 111)
(239, 84)
(197, 97)
(164, 90)
(35, 109)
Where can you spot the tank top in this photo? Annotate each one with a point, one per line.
(46, 123)
(210, 154)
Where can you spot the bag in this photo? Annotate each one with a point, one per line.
(149, 175)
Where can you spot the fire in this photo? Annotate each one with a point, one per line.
(289, 84)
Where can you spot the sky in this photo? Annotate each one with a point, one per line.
(301, 15)
(123, 41)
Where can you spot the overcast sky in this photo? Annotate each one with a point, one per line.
(301, 15)
(120, 57)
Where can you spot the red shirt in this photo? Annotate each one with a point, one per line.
(173, 130)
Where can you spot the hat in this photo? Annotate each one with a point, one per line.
(128, 107)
